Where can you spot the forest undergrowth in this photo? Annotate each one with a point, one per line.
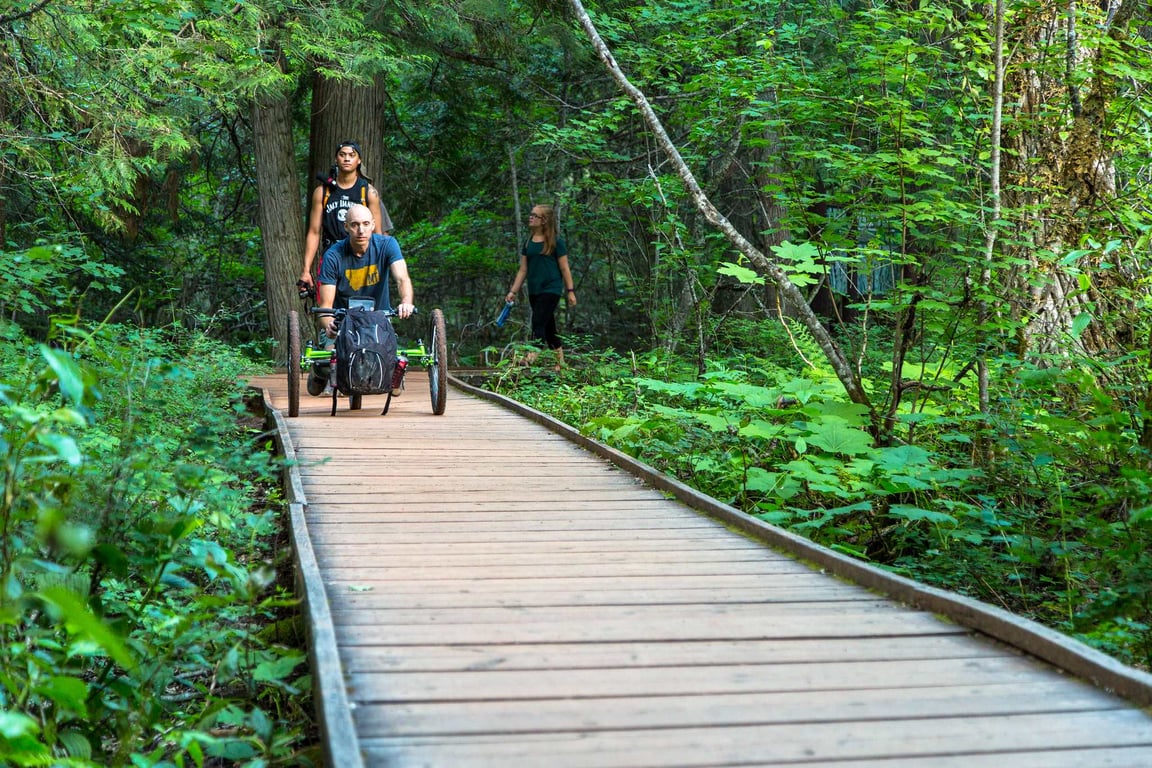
(146, 606)
(1044, 508)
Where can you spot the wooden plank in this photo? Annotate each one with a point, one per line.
(351, 508)
(611, 528)
(324, 497)
(1135, 757)
(369, 601)
(331, 533)
(363, 570)
(841, 623)
(752, 587)
(546, 535)
(472, 594)
(559, 715)
(445, 556)
(690, 681)
(807, 743)
(730, 614)
(600, 656)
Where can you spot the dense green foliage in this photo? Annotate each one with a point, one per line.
(1003, 448)
(144, 615)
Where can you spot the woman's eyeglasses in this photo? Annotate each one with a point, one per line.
(535, 216)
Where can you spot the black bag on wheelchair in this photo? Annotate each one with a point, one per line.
(365, 353)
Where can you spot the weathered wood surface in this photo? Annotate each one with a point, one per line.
(502, 597)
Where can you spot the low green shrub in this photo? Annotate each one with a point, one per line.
(140, 571)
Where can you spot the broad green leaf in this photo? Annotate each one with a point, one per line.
(278, 669)
(1080, 323)
(68, 693)
(19, 737)
(68, 374)
(838, 437)
(852, 413)
(741, 273)
(901, 457)
(69, 610)
(751, 395)
(77, 744)
(909, 512)
(761, 430)
(714, 422)
(63, 446)
(14, 725)
(760, 480)
(860, 506)
(803, 389)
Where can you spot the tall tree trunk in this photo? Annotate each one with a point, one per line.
(345, 111)
(280, 218)
(515, 179)
(990, 227)
(1064, 152)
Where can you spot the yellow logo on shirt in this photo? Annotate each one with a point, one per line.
(363, 277)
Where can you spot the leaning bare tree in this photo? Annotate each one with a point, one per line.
(789, 293)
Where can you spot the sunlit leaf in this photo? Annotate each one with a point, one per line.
(838, 437)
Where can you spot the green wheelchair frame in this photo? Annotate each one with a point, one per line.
(319, 362)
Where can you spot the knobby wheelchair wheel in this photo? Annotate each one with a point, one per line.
(355, 402)
(293, 364)
(438, 369)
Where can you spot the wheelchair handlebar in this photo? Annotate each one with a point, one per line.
(339, 313)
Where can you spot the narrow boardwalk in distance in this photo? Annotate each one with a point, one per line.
(501, 596)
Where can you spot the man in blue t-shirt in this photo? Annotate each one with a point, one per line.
(360, 265)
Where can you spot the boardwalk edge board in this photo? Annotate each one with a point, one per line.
(338, 737)
(1029, 636)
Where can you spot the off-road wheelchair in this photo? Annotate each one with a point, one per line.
(319, 363)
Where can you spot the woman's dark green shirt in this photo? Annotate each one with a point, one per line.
(543, 271)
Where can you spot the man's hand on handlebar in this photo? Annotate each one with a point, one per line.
(330, 318)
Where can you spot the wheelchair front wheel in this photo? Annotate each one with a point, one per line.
(316, 383)
(438, 368)
(293, 364)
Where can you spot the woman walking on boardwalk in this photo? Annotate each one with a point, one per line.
(544, 266)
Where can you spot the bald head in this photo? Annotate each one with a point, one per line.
(357, 213)
(360, 227)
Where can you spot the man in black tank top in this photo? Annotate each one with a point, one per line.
(345, 185)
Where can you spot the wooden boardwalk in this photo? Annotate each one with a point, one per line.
(501, 596)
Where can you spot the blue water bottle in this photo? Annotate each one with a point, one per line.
(504, 313)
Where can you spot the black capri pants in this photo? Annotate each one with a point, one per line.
(544, 318)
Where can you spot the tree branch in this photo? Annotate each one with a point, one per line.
(23, 14)
(787, 289)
